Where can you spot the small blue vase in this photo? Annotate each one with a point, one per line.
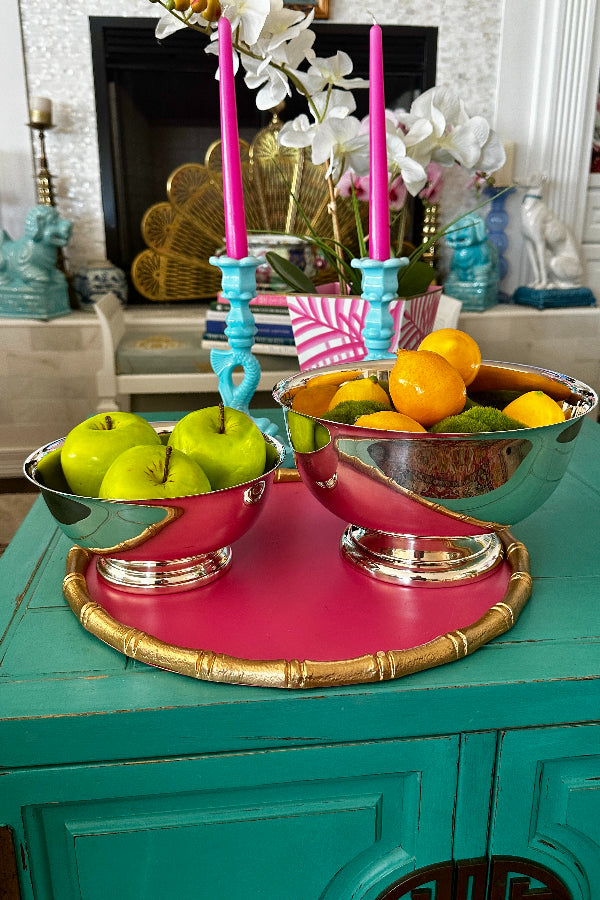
(97, 279)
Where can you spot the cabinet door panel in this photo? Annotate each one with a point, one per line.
(547, 804)
(344, 820)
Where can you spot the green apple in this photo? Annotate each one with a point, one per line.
(49, 472)
(225, 442)
(91, 447)
(152, 472)
(306, 434)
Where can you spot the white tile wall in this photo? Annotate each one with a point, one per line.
(56, 42)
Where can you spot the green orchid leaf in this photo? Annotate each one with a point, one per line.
(291, 274)
(415, 278)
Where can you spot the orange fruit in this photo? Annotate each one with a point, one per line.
(535, 408)
(360, 389)
(336, 378)
(458, 347)
(314, 401)
(391, 421)
(424, 386)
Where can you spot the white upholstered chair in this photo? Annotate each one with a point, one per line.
(115, 387)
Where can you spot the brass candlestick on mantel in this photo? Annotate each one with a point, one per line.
(40, 120)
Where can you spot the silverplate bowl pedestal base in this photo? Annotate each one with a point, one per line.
(423, 561)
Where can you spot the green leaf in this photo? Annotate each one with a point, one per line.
(415, 278)
(362, 246)
(291, 274)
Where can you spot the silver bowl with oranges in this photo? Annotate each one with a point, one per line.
(431, 470)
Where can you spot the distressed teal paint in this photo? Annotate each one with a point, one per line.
(110, 765)
(473, 793)
(547, 802)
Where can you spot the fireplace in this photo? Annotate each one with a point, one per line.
(157, 107)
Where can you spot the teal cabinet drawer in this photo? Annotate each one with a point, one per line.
(547, 803)
(333, 822)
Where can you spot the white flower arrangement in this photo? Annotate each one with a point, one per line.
(274, 46)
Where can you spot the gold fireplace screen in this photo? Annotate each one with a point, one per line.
(184, 231)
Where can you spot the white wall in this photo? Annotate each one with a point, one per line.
(17, 185)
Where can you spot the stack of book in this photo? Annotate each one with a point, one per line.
(274, 334)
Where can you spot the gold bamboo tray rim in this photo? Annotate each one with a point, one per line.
(384, 665)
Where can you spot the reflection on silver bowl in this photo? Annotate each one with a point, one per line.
(426, 508)
(158, 545)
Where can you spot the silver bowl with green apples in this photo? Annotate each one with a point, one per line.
(155, 528)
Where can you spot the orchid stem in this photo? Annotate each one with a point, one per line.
(335, 224)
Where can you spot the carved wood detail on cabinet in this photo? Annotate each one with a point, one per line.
(517, 879)
(9, 878)
(503, 878)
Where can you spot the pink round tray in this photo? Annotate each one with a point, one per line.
(291, 612)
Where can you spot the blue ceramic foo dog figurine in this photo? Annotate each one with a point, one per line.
(31, 286)
(474, 273)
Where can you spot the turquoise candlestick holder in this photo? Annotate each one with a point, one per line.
(238, 286)
(379, 288)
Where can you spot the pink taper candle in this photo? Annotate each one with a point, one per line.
(379, 212)
(235, 219)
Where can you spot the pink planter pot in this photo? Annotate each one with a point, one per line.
(328, 327)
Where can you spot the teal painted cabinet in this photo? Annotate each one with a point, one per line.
(547, 803)
(279, 823)
(478, 780)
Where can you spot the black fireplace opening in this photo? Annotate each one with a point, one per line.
(157, 107)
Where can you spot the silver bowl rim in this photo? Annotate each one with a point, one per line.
(587, 395)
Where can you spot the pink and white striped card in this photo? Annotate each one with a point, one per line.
(328, 329)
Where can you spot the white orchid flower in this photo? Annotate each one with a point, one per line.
(493, 154)
(440, 129)
(341, 142)
(270, 74)
(247, 18)
(400, 162)
(440, 105)
(332, 71)
(283, 25)
(338, 104)
(413, 173)
(169, 24)
(293, 53)
(271, 83)
(299, 132)
(213, 48)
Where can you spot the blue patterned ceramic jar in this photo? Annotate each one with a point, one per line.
(98, 278)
